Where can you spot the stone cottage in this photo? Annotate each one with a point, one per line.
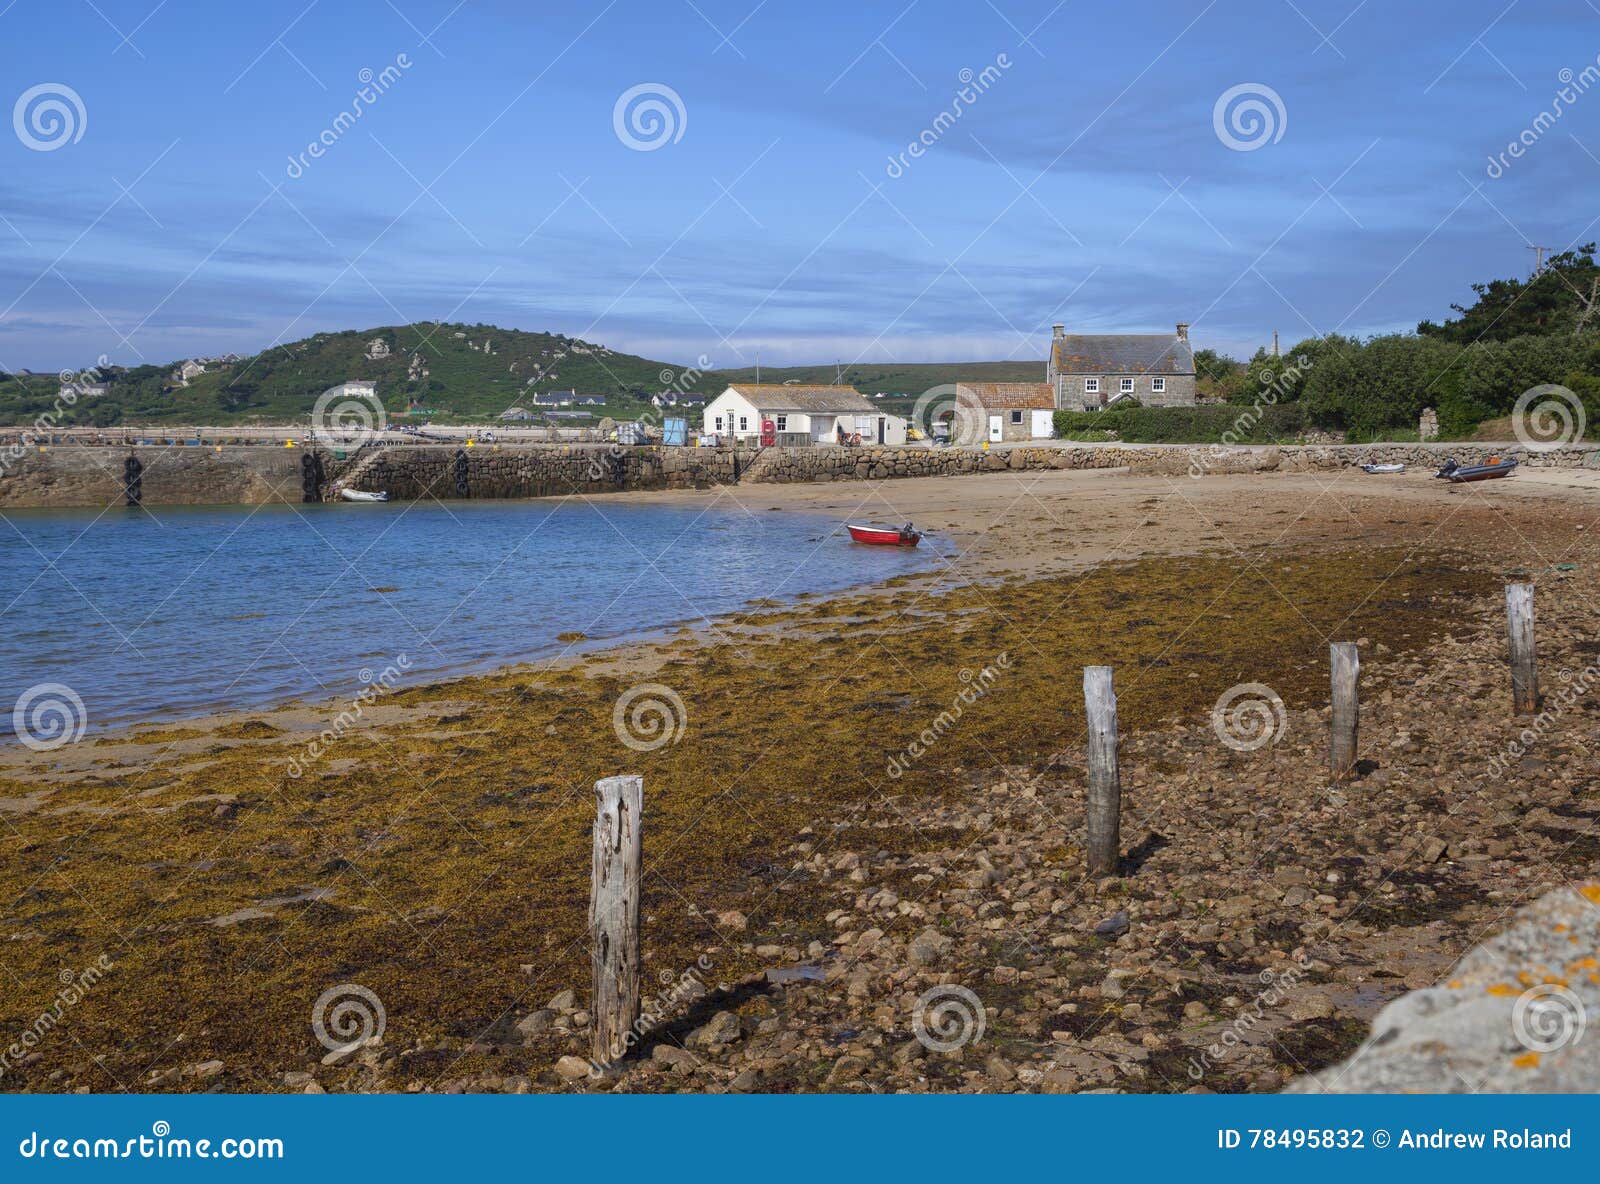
(1004, 411)
(1093, 370)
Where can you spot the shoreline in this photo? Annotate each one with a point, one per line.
(438, 854)
(957, 508)
(172, 473)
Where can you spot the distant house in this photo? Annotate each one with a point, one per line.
(1092, 370)
(803, 414)
(71, 392)
(516, 413)
(1004, 411)
(353, 390)
(186, 371)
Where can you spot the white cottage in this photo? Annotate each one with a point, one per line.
(801, 414)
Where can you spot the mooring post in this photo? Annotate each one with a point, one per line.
(614, 913)
(1345, 663)
(1105, 784)
(1524, 670)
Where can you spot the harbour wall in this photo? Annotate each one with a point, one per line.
(174, 474)
(171, 474)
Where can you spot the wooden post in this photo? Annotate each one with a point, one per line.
(1524, 671)
(614, 914)
(1345, 661)
(1105, 784)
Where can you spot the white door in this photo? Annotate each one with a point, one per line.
(994, 429)
(1043, 425)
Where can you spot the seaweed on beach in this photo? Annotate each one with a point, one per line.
(441, 860)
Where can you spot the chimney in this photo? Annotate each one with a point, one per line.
(1183, 330)
(1058, 330)
(1274, 343)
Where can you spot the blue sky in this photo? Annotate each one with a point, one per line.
(1085, 180)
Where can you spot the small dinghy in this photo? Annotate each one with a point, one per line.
(1383, 468)
(360, 495)
(1494, 467)
(885, 536)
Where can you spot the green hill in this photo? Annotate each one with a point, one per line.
(446, 372)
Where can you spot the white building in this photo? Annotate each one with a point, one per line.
(801, 414)
(353, 390)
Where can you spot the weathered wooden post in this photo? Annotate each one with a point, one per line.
(1524, 671)
(614, 914)
(1345, 662)
(1105, 784)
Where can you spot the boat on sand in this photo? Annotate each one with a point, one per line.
(885, 536)
(1493, 467)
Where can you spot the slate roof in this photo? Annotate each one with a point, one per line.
(1007, 396)
(1123, 353)
(826, 400)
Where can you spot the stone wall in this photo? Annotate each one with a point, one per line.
(841, 464)
(784, 465)
(1200, 460)
(506, 472)
(78, 475)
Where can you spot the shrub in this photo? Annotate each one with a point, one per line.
(1187, 425)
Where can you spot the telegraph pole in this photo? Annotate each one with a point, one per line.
(1538, 265)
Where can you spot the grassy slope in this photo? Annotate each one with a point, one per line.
(281, 385)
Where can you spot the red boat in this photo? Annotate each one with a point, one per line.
(885, 536)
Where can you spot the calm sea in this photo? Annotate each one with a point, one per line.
(179, 611)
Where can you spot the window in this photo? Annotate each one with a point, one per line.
(1158, 385)
(719, 423)
(1091, 386)
(744, 424)
(1016, 417)
(1127, 386)
(783, 423)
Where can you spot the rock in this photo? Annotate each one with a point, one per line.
(847, 1068)
(1114, 925)
(343, 1053)
(313, 1088)
(734, 920)
(565, 1001)
(204, 1071)
(572, 1068)
(747, 1082)
(999, 1069)
(1309, 1005)
(535, 1025)
(1495, 1025)
(724, 1028)
(673, 1056)
(911, 1050)
(928, 947)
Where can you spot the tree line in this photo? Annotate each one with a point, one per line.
(1517, 334)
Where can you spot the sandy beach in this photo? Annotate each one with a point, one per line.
(434, 850)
